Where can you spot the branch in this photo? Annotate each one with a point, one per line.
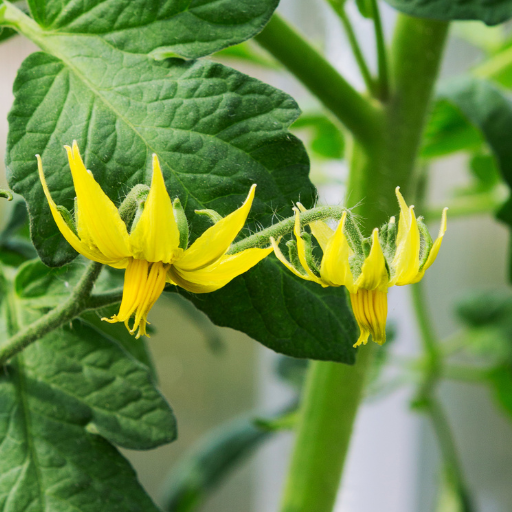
(358, 114)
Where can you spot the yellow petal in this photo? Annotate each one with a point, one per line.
(66, 231)
(406, 263)
(370, 309)
(219, 274)
(98, 222)
(215, 241)
(321, 231)
(301, 251)
(285, 262)
(335, 267)
(374, 275)
(156, 236)
(143, 284)
(434, 250)
(404, 222)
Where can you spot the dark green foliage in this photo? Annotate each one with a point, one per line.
(491, 12)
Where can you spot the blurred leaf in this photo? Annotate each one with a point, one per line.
(246, 52)
(327, 139)
(488, 317)
(209, 462)
(292, 370)
(189, 29)
(365, 8)
(497, 68)
(501, 380)
(489, 39)
(6, 33)
(490, 12)
(485, 171)
(449, 131)
(15, 247)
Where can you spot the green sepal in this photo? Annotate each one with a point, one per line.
(132, 203)
(387, 238)
(68, 218)
(211, 214)
(426, 242)
(310, 259)
(293, 256)
(181, 221)
(354, 235)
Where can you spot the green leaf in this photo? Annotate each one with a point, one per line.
(210, 461)
(185, 28)
(40, 287)
(448, 131)
(490, 12)
(6, 33)
(327, 140)
(287, 314)
(215, 131)
(365, 8)
(488, 109)
(118, 333)
(48, 460)
(500, 379)
(485, 171)
(15, 247)
(62, 398)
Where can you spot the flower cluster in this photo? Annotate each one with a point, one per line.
(397, 255)
(154, 251)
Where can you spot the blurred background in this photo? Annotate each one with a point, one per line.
(212, 375)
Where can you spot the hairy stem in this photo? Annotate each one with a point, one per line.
(77, 303)
(262, 238)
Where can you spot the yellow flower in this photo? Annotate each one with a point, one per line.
(393, 259)
(151, 252)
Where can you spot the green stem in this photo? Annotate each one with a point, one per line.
(358, 114)
(77, 303)
(339, 8)
(428, 401)
(262, 238)
(331, 398)
(382, 60)
(333, 391)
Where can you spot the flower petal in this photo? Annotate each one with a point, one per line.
(374, 275)
(370, 309)
(321, 231)
(156, 236)
(404, 222)
(215, 241)
(280, 256)
(335, 267)
(143, 284)
(66, 231)
(406, 263)
(219, 274)
(98, 221)
(301, 251)
(434, 250)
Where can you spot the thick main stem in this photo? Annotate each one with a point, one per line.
(333, 392)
